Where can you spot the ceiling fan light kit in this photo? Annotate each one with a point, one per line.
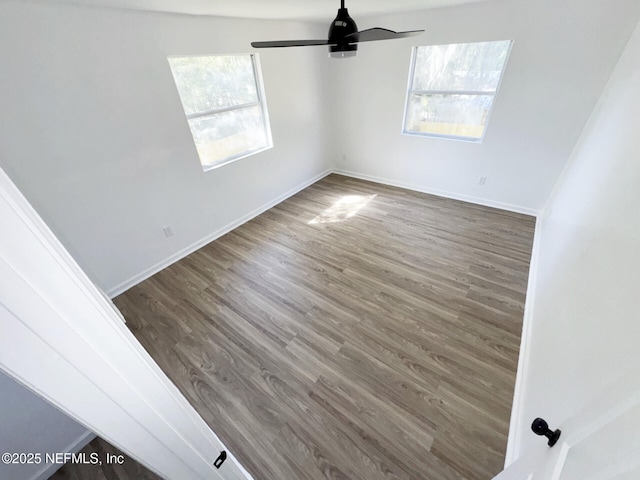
(343, 36)
(340, 28)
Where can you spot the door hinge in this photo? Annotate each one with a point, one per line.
(220, 460)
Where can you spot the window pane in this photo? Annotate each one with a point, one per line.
(231, 83)
(208, 83)
(450, 115)
(221, 136)
(460, 67)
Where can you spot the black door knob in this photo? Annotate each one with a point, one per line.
(540, 427)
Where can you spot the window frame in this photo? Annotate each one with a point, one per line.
(411, 91)
(261, 102)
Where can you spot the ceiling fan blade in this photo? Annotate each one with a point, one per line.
(290, 43)
(373, 34)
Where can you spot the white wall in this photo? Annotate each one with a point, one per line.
(22, 413)
(584, 306)
(562, 55)
(94, 135)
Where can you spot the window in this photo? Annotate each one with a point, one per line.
(224, 101)
(452, 89)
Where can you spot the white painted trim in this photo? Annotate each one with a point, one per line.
(523, 362)
(74, 447)
(127, 284)
(562, 458)
(617, 398)
(519, 393)
(440, 193)
(52, 287)
(64, 340)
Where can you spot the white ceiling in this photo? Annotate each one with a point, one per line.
(319, 10)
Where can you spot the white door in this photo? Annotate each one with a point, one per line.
(62, 339)
(601, 442)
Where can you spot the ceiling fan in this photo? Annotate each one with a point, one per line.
(343, 36)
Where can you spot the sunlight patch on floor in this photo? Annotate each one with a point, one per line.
(343, 209)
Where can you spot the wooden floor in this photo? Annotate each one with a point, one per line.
(355, 331)
(129, 469)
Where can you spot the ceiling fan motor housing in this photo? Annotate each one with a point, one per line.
(342, 26)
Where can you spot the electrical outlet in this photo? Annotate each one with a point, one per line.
(168, 232)
(482, 180)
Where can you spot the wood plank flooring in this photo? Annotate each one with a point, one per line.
(355, 331)
(129, 469)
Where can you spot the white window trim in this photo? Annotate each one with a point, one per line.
(262, 102)
(411, 91)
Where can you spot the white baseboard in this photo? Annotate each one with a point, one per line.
(74, 447)
(127, 284)
(513, 443)
(523, 362)
(519, 393)
(440, 193)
